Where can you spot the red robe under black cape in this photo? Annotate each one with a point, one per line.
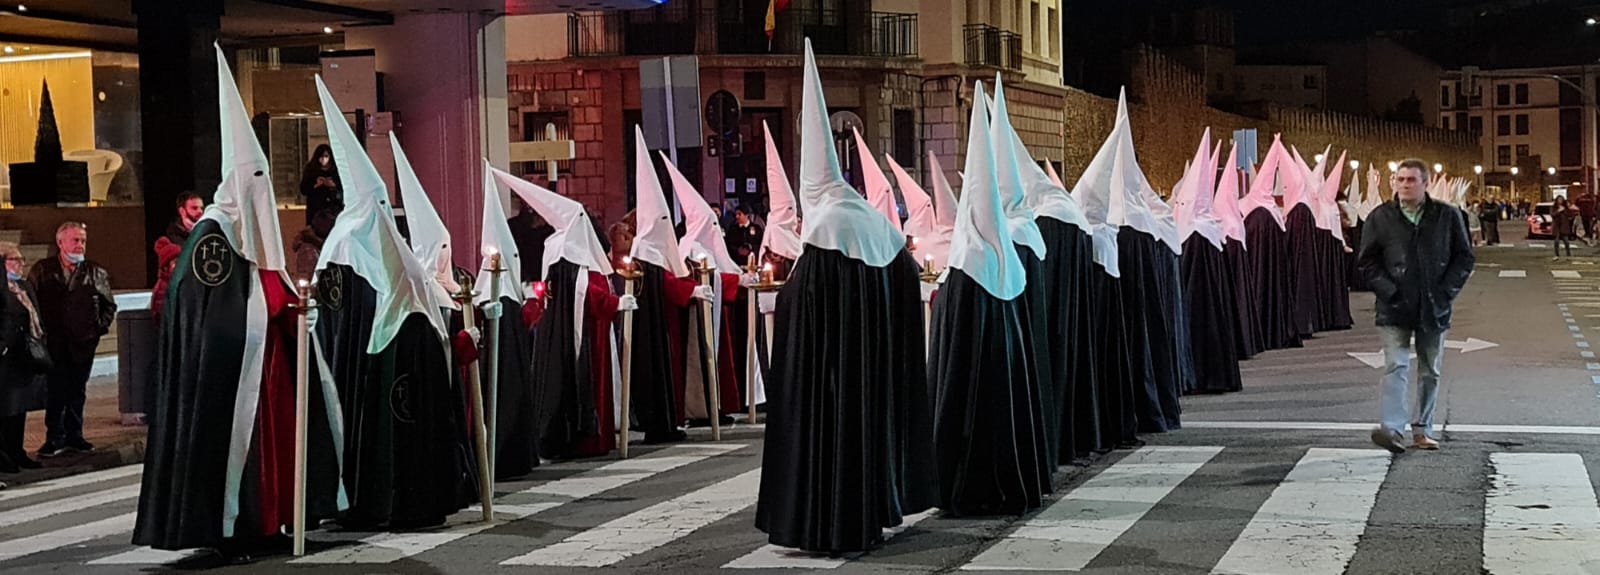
(202, 346)
(849, 416)
(408, 458)
(573, 379)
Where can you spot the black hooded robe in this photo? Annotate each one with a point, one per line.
(1115, 370)
(1069, 336)
(1035, 305)
(849, 413)
(990, 429)
(575, 410)
(1242, 281)
(1306, 264)
(1268, 259)
(1150, 342)
(657, 378)
(408, 458)
(183, 495)
(1209, 295)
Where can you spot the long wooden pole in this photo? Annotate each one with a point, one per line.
(492, 329)
(479, 428)
(626, 402)
(302, 386)
(710, 356)
(750, 347)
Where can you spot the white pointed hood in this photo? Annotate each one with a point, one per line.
(1192, 205)
(1225, 203)
(574, 239)
(876, 185)
(1301, 186)
(1328, 199)
(782, 234)
(430, 239)
(982, 246)
(936, 247)
(1103, 191)
(244, 205)
(1161, 220)
(836, 218)
(1277, 165)
(1050, 170)
(366, 238)
(497, 238)
(921, 222)
(654, 241)
(1008, 170)
(702, 237)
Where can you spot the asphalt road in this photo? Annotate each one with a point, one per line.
(1278, 478)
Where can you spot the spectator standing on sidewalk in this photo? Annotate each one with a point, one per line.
(24, 361)
(1416, 255)
(76, 303)
(169, 246)
(1491, 222)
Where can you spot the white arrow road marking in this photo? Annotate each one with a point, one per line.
(1375, 359)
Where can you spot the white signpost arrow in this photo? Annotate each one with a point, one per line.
(1375, 359)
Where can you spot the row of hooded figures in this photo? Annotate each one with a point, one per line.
(1019, 328)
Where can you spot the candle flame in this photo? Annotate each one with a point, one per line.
(627, 260)
(303, 284)
(766, 267)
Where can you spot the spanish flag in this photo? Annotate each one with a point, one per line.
(773, 7)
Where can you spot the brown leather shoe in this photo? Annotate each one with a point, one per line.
(1424, 442)
(1387, 439)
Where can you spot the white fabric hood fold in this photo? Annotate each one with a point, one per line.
(876, 185)
(1008, 170)
(703, 238)
(836, 218)
(1276, 166)
(936, 247)
(244, 205)
(497, 238)
(1225, 204)
(654, 241)
(782, 234)
(430, 239)
(574, 239)
(982, 246)
(366, 238)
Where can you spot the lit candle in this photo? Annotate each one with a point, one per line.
(927, 263)
(766, 272)
(627, 264)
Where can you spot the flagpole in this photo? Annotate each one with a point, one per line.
(629, 275)
(301, 407)
(475, 391)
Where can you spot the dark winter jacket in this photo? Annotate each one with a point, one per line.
(1415, 270)
(76, 309)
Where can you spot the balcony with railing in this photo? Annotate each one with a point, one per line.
(990, 46)
(685, 28)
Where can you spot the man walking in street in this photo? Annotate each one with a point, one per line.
(77, 307)
(1416, 255)
(1491, 223)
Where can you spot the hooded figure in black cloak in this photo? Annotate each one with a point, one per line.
(516, 408)
(1173, 335)
(1335, 295)
(1370, 200)
(219, 471)
(1268, 252)
(1207, 287)
(1305, 243)
(1102, 192)
(1070, 269)
(380, 333)
(572, 347)
(1240, 276)
(665, 291)
(1031, 250)
(1145, 320)
(849, 417)
(990, 431)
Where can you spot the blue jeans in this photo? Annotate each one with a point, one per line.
(1397, 349)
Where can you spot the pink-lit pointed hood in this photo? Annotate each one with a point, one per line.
(782, 234)
(879, 194)
(702, 237)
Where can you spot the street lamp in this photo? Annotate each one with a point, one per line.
(1478, 169)
(1355, 164)
(1319, 158)
(1438, 168)
(1590, 21)
(1551, 171)
(1394, 167)
(1514, 170)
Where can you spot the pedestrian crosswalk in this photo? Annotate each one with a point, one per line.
(690, 508)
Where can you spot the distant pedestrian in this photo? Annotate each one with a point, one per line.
(1490, 216)
(75, 300)
(24, 361)
(1416, 255)
(1564, 226)
(319, 183)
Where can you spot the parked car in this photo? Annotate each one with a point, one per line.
(1541, 223)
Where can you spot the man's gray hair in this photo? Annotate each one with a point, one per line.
(1419, 165)
(61, 229)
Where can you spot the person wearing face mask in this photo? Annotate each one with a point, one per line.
(77, 308)
(169, 246)
(23, 361)
(319, 183)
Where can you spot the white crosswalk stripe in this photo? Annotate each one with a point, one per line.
(1314, 518)
(649, 528)
(1069, 534)
(1540, 515)
(1513, 273)
(53, 485)
(391, 547)
(1565, 274)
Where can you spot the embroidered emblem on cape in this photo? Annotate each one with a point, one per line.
(213, 260)
(400, 400)
(330, 285)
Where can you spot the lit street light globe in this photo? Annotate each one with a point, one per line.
(1394, 166)
(1355, 164)
(1478, 169)
(1438, 168)
(1551, 171)
(1515, 170)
